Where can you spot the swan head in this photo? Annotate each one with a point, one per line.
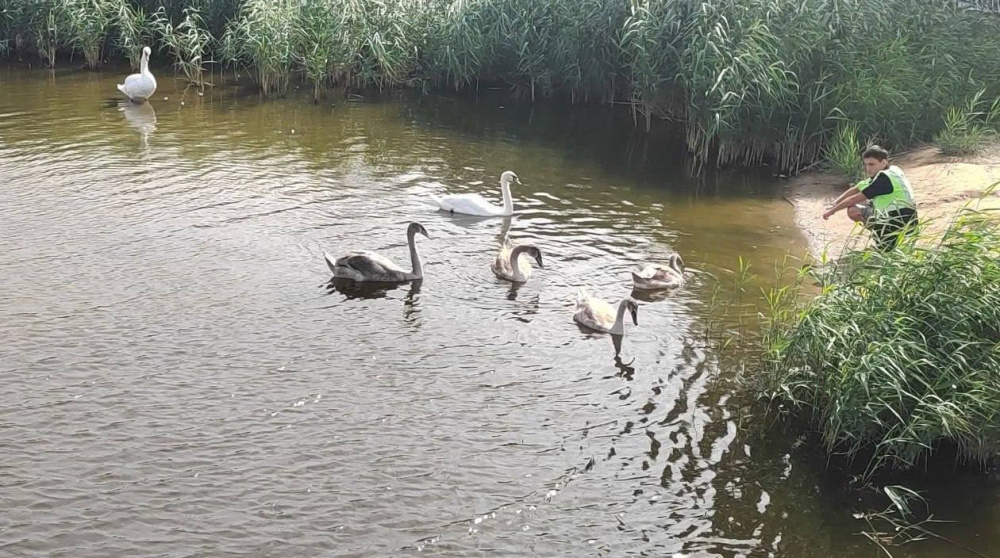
(507, 177)
(415, 228)
(633, 308)
(677, 263)
(147, 52)
(534, 252)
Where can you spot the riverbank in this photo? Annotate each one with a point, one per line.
(942, 186)
(746, 82)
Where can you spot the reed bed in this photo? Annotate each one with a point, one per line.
(750, 81)
(900, 352)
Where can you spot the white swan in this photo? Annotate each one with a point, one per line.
(657, 277)
(372, 267)
(140, 87)
(510, 266)
(474, 204)
(596, 314)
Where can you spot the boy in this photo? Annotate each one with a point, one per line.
(883, 202)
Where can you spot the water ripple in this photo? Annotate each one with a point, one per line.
(181, 377)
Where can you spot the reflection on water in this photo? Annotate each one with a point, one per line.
(179, 371)
(141, 117)
(357, 289)
(651, 296)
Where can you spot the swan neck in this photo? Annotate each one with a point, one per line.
(515, 268)
(418, 271)
(144, 64)
(508, 202)
(619, 326)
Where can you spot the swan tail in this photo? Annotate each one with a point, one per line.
(121, 87)
(638, 279)
(330, 262)
(439, 203)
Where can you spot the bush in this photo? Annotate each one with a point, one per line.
(901, 353)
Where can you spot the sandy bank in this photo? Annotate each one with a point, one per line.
(942, 185)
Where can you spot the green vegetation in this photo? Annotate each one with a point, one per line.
(750, 81)
(969, 127)
(263, 38)
(188, 41)
(899, 351)
(135, 30)
(843, 152)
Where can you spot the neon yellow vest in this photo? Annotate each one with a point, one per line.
(900, 197)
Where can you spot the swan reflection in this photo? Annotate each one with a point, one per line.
(352, 289)
(141, 117)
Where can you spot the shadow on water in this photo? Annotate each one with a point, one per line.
(352, 289)
(652, 296)
(625, 370)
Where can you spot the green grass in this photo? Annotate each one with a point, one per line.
(898, 353)
(969, 127)
(749, 81)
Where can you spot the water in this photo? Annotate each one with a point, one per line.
(179, 378)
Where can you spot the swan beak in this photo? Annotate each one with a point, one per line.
(539, 261)
(635, 316)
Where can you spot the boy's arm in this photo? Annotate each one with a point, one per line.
(843, 202)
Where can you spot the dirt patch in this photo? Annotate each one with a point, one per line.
(942, 185)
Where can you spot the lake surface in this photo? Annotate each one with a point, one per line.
(179, 378)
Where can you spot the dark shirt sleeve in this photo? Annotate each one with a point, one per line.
(878, 187)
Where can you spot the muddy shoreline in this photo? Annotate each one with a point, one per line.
(942, 185)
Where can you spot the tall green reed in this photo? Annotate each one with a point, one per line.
(385, 39)
(321, 48)
(133, 30)
(87, 23)
(899, 352)
(843, 151)
(10, 16)
(263, 38)
(188, 42)
(47, 21)
(969, 126)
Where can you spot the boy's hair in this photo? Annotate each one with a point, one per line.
(876, 152)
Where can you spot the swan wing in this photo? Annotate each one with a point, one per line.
(647, 272)
(656, 277)
(138, 87)
(366, 266)
(594, 312)
(501, 265)
(524, 265)
(470, 204)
